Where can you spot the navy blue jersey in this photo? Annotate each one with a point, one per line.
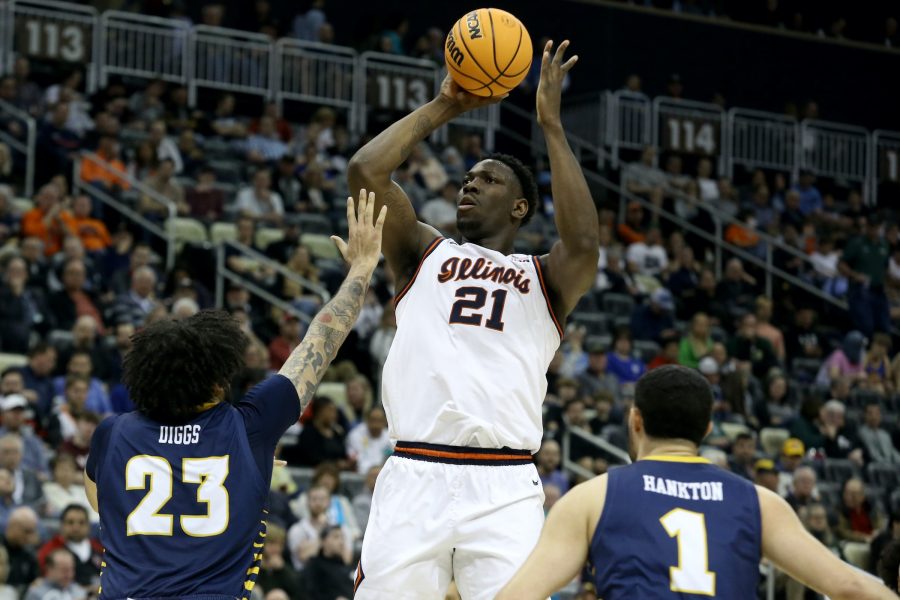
(676, 527)
(182, 507)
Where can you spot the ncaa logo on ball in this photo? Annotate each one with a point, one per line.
(453, 50)
(473, 25)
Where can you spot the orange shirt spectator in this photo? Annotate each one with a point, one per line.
(93, 233)
(48, 220)
(741, 236)
(109, 175)
(632, 229)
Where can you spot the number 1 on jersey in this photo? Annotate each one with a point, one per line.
(692, 574)
(472, 298)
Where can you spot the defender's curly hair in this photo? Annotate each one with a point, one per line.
(173, 366)
(526, 180)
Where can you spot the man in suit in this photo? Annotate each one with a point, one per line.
(28, 489)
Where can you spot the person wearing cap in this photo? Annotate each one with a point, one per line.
(286, 183)
(765, 474)
(865, 262)
(596, 378)
(13, 410)
(810, 197)
(626, 367)
(652, 320)
(846, 361)
(792, 452)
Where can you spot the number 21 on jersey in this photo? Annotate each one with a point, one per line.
(692, 574)
(208, 473)
(472, 299)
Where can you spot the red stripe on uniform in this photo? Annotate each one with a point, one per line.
(462, 455)
(540, 274)
(428, 251)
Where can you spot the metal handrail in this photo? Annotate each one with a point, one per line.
(28, 148)
(716, 239)
(319, 290)
(596, 441)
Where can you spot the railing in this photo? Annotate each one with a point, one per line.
(141, 46)
(229, 60)
(596, 441)
(224, 272)
(26, 148)
(884, 158)
(121, 207)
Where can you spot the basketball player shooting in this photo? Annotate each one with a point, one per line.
(672, 525)
(181, 484)
(464, 380)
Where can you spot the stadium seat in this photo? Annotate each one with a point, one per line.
(732, 430)
(186, 230)
(604, 340)
(12, 360)
(319, 245)
(60, 338)
(837, 470)
(617, 305)
(309, 223)
(267, 235)
(594, 322)
(220, 232)
(884, 475)
(857, 554)
(805, 369)
(772, 438)
(646, 349)
(229, 171)
(22, 205)
(859, 398)
(829, 494)
(334, 390)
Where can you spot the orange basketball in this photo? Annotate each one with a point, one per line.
(488, 52)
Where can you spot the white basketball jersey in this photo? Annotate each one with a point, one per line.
(475, 335)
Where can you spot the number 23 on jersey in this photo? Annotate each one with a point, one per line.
(208, 474)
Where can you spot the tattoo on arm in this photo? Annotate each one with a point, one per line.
(307, 363)
(421, 129)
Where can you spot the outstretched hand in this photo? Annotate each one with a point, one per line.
(363, 245)
(462, 100)
(549, 92)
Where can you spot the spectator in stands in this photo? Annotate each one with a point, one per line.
(653, 320)
(596, 376)
(890, 536)
(359, 399)
(191, 152)
(306, 25)
(877, 365)
(56, 144)
(147, 104)
(303, 297)
(287, 184)
(765, 474)
(697, 343)
(59, 579)
(815, 518)
(259, 201)
(825, 260)
(810, 197)
(109, 176)
(876, 441)
(21, 536)
(223, 122)
(803, 488)
(73, 249)
(7, 592)
(632, 229)
(28, 94)
(747, 345)
(368, 443)
(9, 216)
(743, 455)
(136, 305)
(86, 337)
(775, 408)
(670, 344)
(846, 361)
(684, 273)
(73, 300)
(325, 575)
(28, 487)
(362, 502)
(802, 339)
(39, 388)
(164, 147)
(648, 256)
(206, 201)
(440, 212)
(621, 362)
(265, 146)
(164, 184)
(859, 520)
(766, 216)
(49, 220)
(23, 310)
(548, 460)
(144, 163)
(13, 407)
(765, 329)
(74, 539)
(645, 178)
(319, 509)
(79, 445)
(744, 235)
(274, 571)
(66, 488)
(322, 439)
(791, 456)
(864, 263)
(736, 291)
(283, 344)
(614, 279)
(92, 232)
(7, 500)
(841, 440)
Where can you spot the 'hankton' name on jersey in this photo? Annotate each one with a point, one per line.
(459, 269)
(694, 490)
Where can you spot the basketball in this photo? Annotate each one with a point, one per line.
(488, 52)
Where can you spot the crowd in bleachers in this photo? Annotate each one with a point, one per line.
(806, 395)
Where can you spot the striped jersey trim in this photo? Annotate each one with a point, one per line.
(431, 247)
(459, 455)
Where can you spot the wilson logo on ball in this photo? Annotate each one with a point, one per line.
(453, 51)
(474, 27)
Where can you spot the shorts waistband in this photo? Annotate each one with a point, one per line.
(462, 455)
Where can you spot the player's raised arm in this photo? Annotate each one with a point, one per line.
(328, 330)
(572, 262)
(562, 549)
(793, 550)
(372, 165)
